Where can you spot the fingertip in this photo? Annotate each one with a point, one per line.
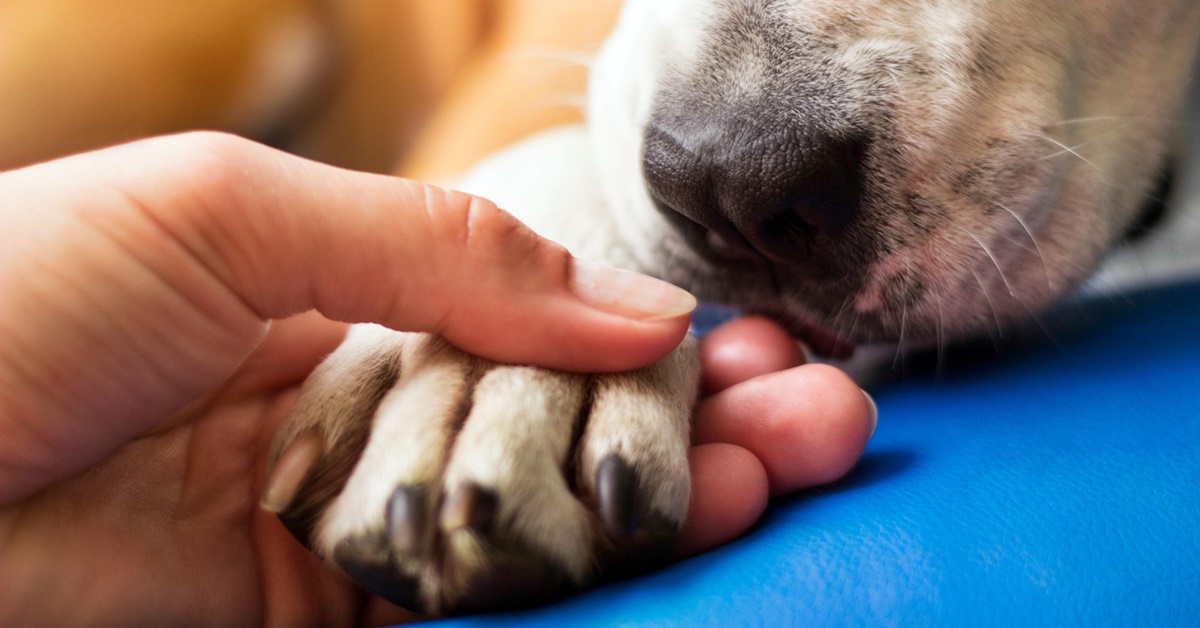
(745, 348)
(808, 425)
(729, 494)
(839, 440)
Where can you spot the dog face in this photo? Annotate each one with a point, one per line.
(897, 170)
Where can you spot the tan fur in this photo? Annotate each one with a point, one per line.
(440, 83)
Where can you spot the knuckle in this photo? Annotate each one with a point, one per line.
(213, 161)
(491, 234)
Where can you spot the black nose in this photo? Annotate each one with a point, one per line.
(751, 188)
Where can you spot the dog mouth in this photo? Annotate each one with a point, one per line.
(823, 342)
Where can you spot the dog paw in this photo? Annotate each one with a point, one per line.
(448, 484)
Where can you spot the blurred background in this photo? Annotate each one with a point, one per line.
(418, 87)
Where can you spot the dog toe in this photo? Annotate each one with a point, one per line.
(633, 459)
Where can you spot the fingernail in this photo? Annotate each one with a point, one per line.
(874, 410)
(291, 470)
(628, 294)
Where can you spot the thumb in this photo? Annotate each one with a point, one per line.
(286, 235)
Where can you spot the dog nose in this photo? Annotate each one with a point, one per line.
(748, 191)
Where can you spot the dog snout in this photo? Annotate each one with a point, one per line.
(747, 191)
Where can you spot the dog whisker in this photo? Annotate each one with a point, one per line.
(1151, 119)
(1066, 150)
(1126, 122)
(995, 262)
(1037, 248)
(1104, 134)
(1090, 119)
(1024, 227)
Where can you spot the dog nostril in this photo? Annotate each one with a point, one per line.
(769, 190)
(679, 181)
(823, 187)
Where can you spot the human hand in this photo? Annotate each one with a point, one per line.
(141, 383)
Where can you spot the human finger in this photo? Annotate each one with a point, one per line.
(405, 254)
(745, 348)
(807, 425)
(729, 493)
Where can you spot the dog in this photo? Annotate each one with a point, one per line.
(900, 174)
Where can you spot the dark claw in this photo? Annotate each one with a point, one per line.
(616, 494)
(641, 536)
(407, 519)
(368, 563)
(470, 507)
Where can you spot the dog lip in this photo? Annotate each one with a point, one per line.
(823, 342)
(820, 340)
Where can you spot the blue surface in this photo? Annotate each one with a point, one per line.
(1058, 484)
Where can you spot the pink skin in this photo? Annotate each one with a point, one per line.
(141, 384)
(768, 425)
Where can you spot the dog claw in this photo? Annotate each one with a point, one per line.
(616, 497)
(369, 564)
(406, 519)
(291, 470)
(471, 507)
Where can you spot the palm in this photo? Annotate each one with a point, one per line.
(168, 530)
